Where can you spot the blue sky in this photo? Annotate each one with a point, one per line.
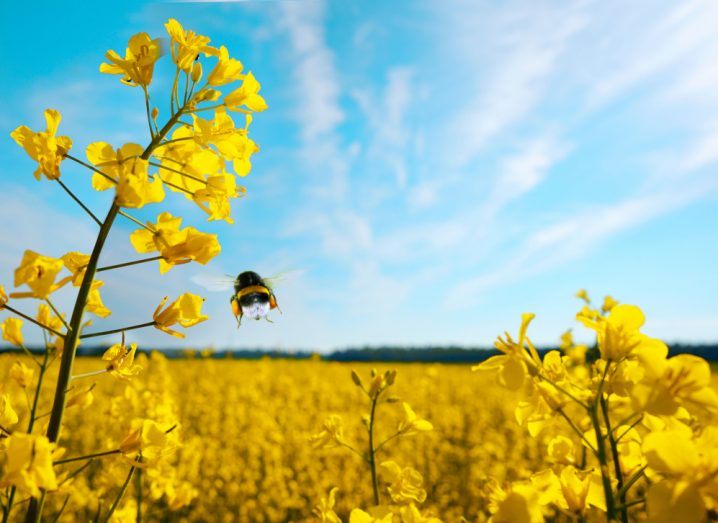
(429, 170)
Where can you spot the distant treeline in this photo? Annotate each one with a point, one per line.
(381, 354)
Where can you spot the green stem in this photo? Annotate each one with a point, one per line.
(601, 451)
(177, 171)
(127, 264)
(33, 320)
(87, 456)
(79, 202)
(372, 451)
(138, 487)
(91, 167)
(616, 458)
(57, 313)
(121, 494)
(114, 331)
(40, 376)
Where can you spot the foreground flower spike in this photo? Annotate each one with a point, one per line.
(47, 149)
(139, 62)
(29, 464)
(185, 311)
(37, 272)
(226, 71)
(175, 245)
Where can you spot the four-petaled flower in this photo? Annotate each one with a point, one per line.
(47, 149)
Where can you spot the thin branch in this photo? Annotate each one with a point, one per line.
(84, 207)
(91, 167)
(57, 313)
(87, 456)
(138, 222)
(182, 173)
(33, 320)
(114, 331)
(127, 264)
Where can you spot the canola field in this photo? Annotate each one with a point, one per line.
(245, 428)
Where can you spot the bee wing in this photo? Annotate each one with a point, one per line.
(213, 282)
(282, 277)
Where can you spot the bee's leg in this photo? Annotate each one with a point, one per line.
(239, 321)
(237, 311)
(273, 303)
(267, 318)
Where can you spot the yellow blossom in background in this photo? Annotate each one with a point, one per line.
(511, 366)
(583, 295)
(29, 464)
(405, 483)
(21, 374)
(325, 510)
(47, 149)
(82, 399)
(186, 45)
(138, 64)
(37, 272)
(12, 331)
(359, 516)
(150, 439)
(412, 424)
(519, 503)
(247, 95)
(185, 311)
(227, 69)
(8, 416)
(175, 245)
(122, 361)
(331, 435)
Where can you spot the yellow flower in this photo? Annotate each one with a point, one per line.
(82, 399)
(520, 502)
(185, 310)
(618, 334)
(411, 514)
(331, 435)
(38, 272)
(575, 489)
(668, 384)
(325, 510)
(12, 331)
(608, 304)
(150, 438)
(174, 245)
(583, 295)
(122, 361)
(47, 149)
(128, 173)
(47, 318)
(412, 424)
(140, 56)
(94, 301)
(76, 263)
(8, 416)
(29, 464)
(186, 45)
(227, 69)
(511, 367)
(215, 196)
(232, 143)
(405, 483)
(3, 298)
(246, 95)
(21, 374)
(359, 516)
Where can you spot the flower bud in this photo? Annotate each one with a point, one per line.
(196, 72)
(356, 379)
(390, 376)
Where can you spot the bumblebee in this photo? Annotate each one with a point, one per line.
(253, 297)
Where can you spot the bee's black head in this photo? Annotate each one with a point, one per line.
(245, 279)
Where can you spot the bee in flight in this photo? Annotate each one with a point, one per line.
(253, 297)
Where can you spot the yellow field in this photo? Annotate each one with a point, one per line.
(245, 425)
